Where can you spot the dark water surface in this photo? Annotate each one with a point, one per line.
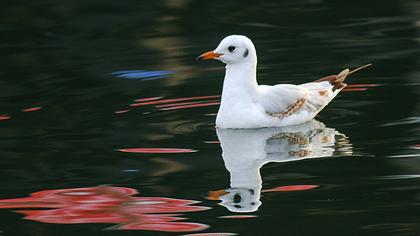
(77, 159)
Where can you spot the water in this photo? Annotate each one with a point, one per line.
(76, 158)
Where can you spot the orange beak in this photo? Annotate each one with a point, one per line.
(209, 55)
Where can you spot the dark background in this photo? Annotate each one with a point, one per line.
(60, 55)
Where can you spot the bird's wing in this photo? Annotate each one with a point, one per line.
(286, 100)
(280, 98)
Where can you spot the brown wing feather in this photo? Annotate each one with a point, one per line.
(337, 80)
(293, 108)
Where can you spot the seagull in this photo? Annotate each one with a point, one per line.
(245, 104)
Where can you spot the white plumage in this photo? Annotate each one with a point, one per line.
(245, 104)
(245, 151)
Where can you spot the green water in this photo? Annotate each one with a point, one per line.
(356, 173)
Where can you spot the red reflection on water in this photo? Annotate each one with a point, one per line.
(212, 142)
(290, 188)
(211, 234)
(362, 85)
(416, 146)
(5, 117)
(172, 100)
(176, 104)
(147, 99)
(122, 111)
(190, 106)
(359, 87)
(354, 89)
(107, 205)
(30, 109)
(186, 103)
(157, 150)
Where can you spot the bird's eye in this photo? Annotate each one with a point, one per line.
(231, 48)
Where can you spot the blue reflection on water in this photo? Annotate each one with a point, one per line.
(142, 74)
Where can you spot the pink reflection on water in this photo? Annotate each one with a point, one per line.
(147, 99)
(359, 87)
(107, 205)
(157, 150)
(290, 188)
(354, 89)
(31, 109)
(122, 111)
(190, 106)
(212, 142)
(362, 85)
(172, 100)
(186, 103)
(211, 234)
(5, 117)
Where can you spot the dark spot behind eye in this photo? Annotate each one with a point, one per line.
(231, 48)
(246, 53)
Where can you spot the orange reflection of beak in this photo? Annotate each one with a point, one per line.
(209, 55)
(216, 195)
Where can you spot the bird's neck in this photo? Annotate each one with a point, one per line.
(240, 82)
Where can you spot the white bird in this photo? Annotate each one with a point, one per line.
(245, 104)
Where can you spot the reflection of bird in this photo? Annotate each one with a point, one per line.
(245, 151)
(245, 104)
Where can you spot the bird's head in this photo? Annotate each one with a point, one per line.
(232, 50)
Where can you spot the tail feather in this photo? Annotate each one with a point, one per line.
(338, 80)
(342, 76)
(360, 68)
